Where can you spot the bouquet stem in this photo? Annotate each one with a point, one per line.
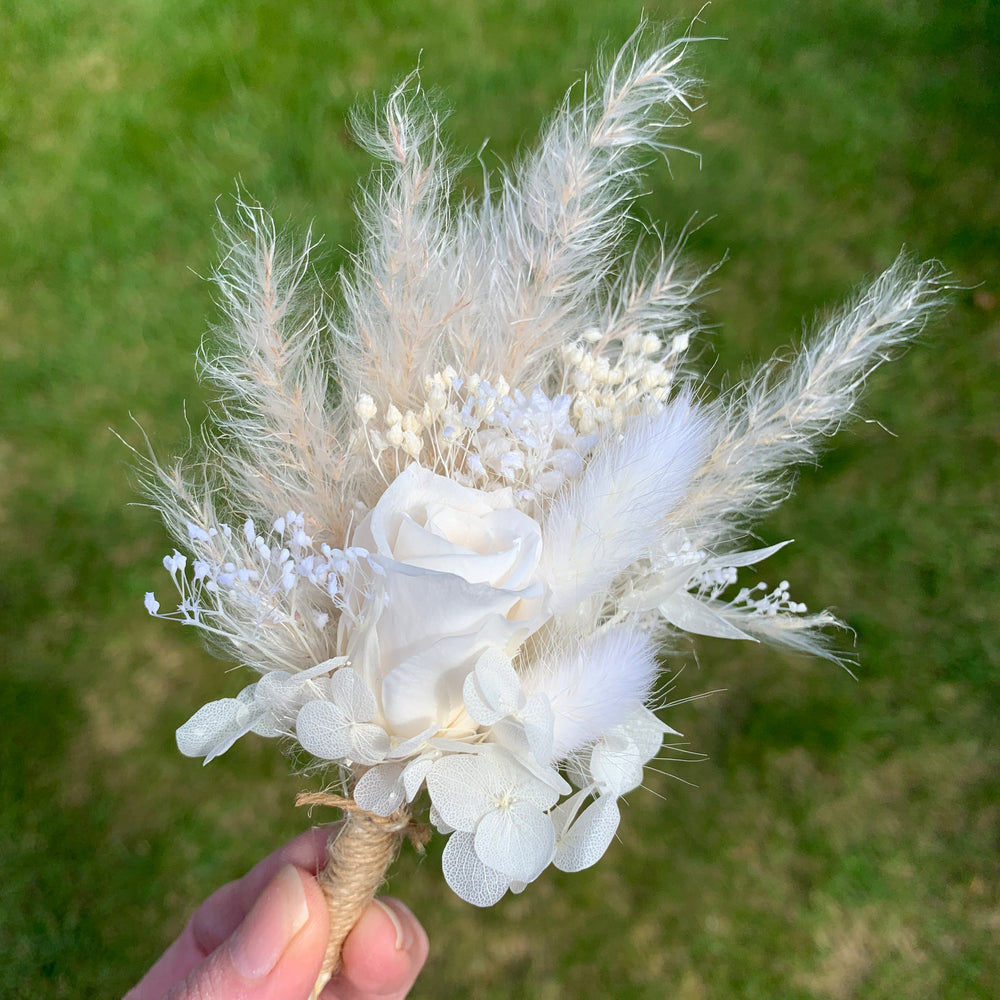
(358, 855)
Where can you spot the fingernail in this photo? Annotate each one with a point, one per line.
(267, 930)
(401, 919)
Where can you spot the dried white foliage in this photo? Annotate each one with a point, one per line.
(449, 522)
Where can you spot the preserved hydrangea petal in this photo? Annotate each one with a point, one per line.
(583, 840)
(618, 759)
(340, 729)
(380, 790)
(215, 727)
(493, 689)
(517, 839)
(414, 775)
(467, 876)
(458, 791)
(349, 691)
(280, 695)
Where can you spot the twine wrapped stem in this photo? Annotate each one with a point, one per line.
(358, 855)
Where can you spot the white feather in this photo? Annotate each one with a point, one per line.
(613, 515)
(594, 684)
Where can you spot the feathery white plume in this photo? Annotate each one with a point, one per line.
(273, 440)
(594, 685)
(561, 217)
(615, 512)
(787, 412)
(407, 283)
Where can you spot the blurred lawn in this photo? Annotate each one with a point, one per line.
(842, 840)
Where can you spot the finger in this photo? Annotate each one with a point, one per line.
(225, 909)
(219, 916)
(276, 951)
(382, 955)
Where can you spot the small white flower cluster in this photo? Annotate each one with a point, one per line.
(716, 579)
(483, 433)
(248, 584)
(607, 392)
(776, 602)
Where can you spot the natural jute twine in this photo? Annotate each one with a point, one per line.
(358, 855)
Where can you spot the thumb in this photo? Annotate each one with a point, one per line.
(274, 954)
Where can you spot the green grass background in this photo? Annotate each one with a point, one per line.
(842, 838)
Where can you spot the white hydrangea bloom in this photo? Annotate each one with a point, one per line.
(341, 728)
(502, 805)
(494, 698)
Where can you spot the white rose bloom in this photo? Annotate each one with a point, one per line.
(458, 569)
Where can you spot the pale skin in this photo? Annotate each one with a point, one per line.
(263, 937)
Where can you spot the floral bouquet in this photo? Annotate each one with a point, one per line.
(451, 523)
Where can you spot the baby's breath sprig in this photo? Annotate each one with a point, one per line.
(271, 595)
(608, 389)
(481, 433)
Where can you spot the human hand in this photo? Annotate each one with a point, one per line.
(263, 937)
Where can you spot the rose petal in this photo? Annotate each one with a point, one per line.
(428, 685)
(422, 605)
(408, 747)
